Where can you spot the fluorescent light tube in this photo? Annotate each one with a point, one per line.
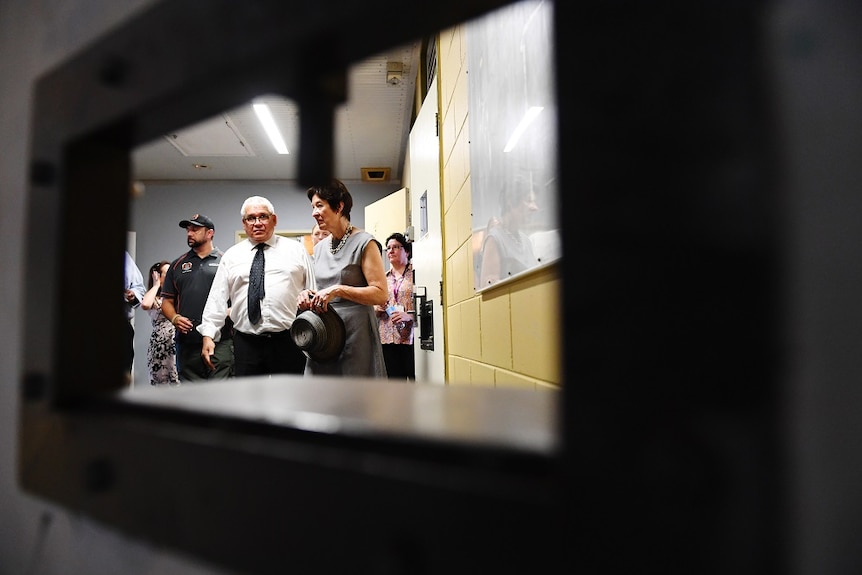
(265, 117)
(528, 118)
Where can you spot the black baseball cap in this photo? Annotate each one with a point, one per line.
(198, 220)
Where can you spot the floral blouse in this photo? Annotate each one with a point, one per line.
(400, 293)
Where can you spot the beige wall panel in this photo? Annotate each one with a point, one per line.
(451, 185)
(545, 386)
(459, 371)
(450, 281)
(449, 65)
(457, 293)
(536, 330)
(451, 236)
(471, 329)
(503, 338)
(451, 128)
(462, 261)
(454, 334)
(447, 193)
(387, 215)
(461, 100)
(511, 379)
(459, 43)
(481, 374)
(459, 165)
(496, 330)
(451, 110)
(462, 214)
(456, 211)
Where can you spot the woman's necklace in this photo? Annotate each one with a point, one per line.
(334, 249)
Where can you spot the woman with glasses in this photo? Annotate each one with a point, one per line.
(395, 321)
(348, 268)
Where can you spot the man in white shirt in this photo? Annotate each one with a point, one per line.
(262, 341)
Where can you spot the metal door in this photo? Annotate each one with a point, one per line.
(428, 242)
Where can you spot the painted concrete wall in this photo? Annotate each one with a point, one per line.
(509, 335)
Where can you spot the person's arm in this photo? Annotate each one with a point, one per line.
(169, 305)
(310, 278)
(134, 288)
(490, 263)
(304, 299)
(375, 293)
(169, 310)
(207, 351)
(149, 300)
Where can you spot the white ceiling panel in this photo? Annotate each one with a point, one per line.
(371, 130)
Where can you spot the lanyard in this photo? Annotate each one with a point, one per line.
(396, 285)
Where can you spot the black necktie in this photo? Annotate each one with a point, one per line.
(255, 284)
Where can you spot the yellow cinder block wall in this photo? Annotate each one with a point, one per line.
(502, 336)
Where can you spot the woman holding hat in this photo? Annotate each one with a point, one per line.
(348, 267)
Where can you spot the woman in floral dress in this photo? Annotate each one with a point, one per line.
(161, 353)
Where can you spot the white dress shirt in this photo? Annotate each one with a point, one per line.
(288, 271)
(134, 281)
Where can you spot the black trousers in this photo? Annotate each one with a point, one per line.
(400, 362)
(266, 354)
(191, 366)
(129, 347)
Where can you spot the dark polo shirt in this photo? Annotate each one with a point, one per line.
(188, 283)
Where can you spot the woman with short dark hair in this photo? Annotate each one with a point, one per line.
(348, 268)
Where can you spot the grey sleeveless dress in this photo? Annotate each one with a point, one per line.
(363, 353)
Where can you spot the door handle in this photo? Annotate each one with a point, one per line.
(425, 313)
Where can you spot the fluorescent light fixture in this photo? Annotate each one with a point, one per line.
(265, 117)
(528, 118)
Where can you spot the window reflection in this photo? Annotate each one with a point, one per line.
(513, 142)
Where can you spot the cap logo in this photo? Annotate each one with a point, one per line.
(196, 216)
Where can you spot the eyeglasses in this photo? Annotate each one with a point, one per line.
(393, 248)
(250, 219)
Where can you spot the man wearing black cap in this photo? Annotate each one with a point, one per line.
(184, 292)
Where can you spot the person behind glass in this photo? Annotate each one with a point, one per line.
(395, 321)
(133, 294)
(506, 249)
(184, 295)
(262, 276)
(350, 278)
(161, 353)
(317, 234)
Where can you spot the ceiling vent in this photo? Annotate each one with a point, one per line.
(375, 174)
